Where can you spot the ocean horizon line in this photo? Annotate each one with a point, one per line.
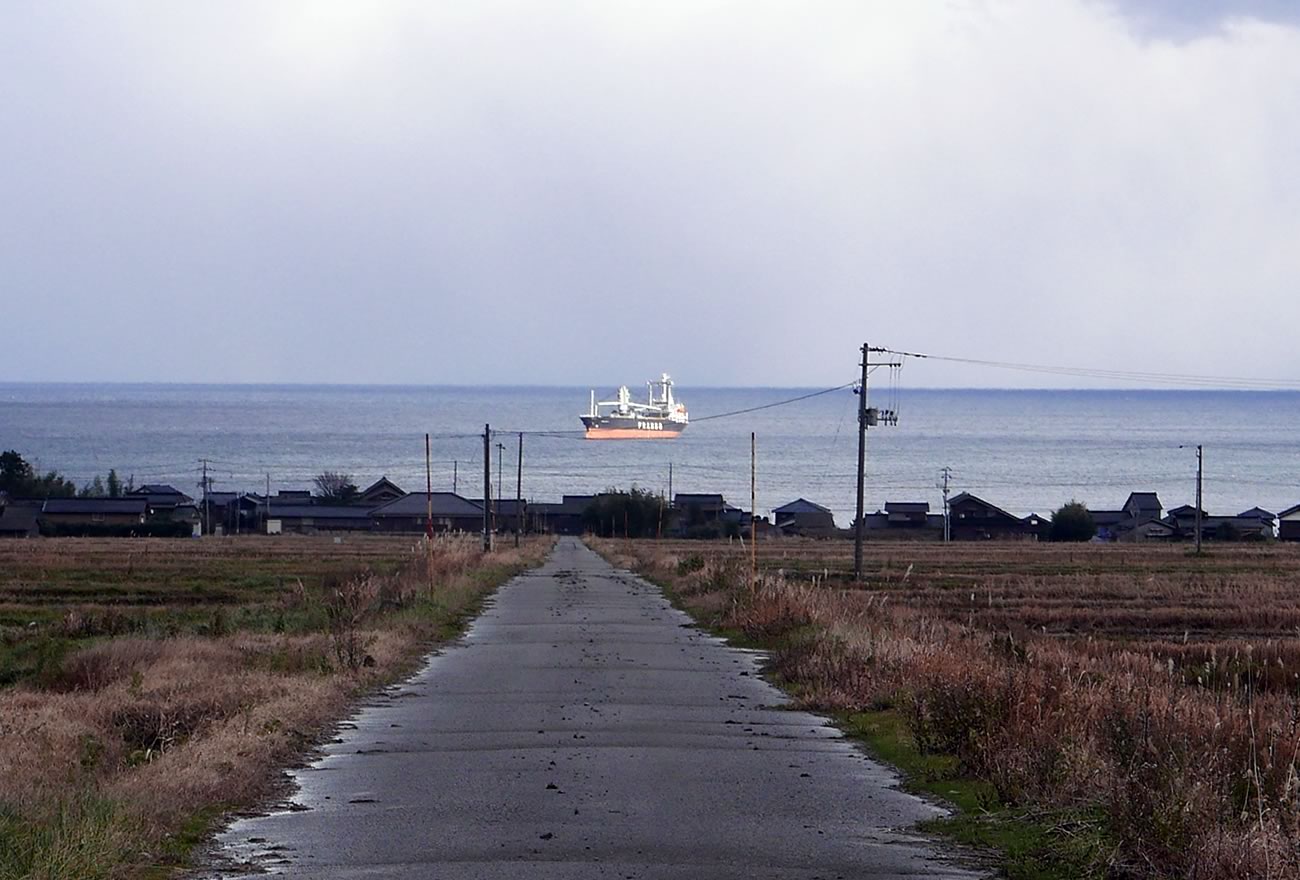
(407, 386)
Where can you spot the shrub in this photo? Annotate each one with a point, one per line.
(1073, 522)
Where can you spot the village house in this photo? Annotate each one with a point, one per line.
(563, 518)
(904, 519)
(1288, 524)
(695, 509)
(410, 513)
(380, 492)
(312, 519)
(131, 511)
(804, 517)
(19, 519)
(971, 518)
(1141, 509)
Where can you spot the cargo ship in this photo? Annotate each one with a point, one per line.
(663, 418)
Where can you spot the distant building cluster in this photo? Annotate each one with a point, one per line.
(384, 507)
(1141, 518)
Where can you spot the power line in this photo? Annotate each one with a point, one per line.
(1235, 382)
(750, 409)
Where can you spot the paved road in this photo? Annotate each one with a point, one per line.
(584, 729)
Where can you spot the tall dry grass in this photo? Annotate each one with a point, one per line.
(138, 744)
(1191, 760)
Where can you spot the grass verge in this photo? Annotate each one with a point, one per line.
(127, 749)
(1024, 842)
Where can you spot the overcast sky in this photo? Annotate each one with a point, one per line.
(736, 192)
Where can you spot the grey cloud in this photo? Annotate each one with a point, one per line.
(738, 193)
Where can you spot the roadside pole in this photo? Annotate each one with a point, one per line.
(487, 488)
(428, 491)
(753, 512)
(868, 416)
(862, 467)
(428, 515)
(1200, 466)
(519, 491)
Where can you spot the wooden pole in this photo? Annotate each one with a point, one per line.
(753, 511)
(862, 467)
(1200, 459)
(487, 488)
(519, 491)
(428, 491)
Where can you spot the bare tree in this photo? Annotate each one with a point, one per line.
(336, 488)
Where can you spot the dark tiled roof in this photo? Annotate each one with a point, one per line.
(688, 499)
(1143, 501)
(318, 511)
(155, 489)
(1256, 513)
(135, 506)
(1289, 511)
(18, 519)
(416, 504)
(907, 506)
(382, 483)
(800, 505)
(966, 496)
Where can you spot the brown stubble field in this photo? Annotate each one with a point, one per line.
(1150, 696)
(148, 687)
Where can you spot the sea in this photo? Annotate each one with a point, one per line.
(1022, 450)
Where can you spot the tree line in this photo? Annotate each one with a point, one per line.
(19, 479)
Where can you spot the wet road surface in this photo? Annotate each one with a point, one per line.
(584, 729)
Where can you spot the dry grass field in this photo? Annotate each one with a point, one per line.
(147, 687)
(1140, 705)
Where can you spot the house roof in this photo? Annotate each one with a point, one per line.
(383, 483)
(128, 506)
(801, 505)
(1256, 513)
(503, 506)
(1289, 511)
(416, 504)
(966, 496)
(907, 506)
(155, 489)
(686, 498)
(1110, 517)
(18, 519)
(319, 511)
(1185, 510)
(1144, 500)
(1152, 521)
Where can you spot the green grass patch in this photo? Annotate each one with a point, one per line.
(1028, 845)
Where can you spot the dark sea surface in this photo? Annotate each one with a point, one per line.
(1024, 450)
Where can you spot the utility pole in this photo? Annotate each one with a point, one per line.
(1200, 467)
(947, 531)
(753, 511)
(867, 416)
(207, 507)
(428, 491)
(496, 507)
(268, 504)
(1200, 463)
(487, 488)
(670, 483)
(455, 477)
(519, 491)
